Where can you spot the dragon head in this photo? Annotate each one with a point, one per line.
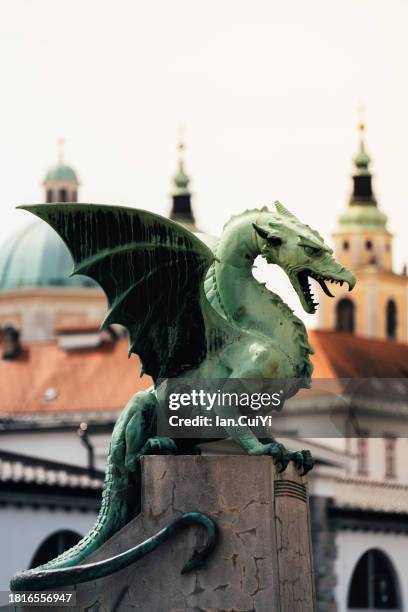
(301, 252)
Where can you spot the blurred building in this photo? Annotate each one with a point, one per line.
(360, 512)
(377, 307)
(64, 381)
(37, 294)
(181, 208)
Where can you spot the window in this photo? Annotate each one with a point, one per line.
(391, 319)
(369, 245)
(54, 545)
(63, 195)
(49, 196)
(374, 584)
(346, 245)
(345, 315)
(362, 454)
(390, 458)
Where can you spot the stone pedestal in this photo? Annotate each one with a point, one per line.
(263, 561)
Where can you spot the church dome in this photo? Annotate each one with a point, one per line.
(36, 257)
(362, 218)
(61, 173)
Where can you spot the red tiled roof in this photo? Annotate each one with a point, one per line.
(100, 379)
(87, 326)
(103, 379)
(342, 355)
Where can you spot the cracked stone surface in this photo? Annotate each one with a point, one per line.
(261, 564)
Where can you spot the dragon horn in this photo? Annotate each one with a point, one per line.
(282, 210)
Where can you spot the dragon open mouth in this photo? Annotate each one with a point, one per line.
(304, 283)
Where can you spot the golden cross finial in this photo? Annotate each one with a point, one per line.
(361, 122)
(61, 143)
(180, 144)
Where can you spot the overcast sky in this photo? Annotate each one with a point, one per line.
(267, 91)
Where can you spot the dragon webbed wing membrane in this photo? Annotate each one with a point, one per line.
(152, 271)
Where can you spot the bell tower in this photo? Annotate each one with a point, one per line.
(181, 209)
(61, 182)
(377, 307)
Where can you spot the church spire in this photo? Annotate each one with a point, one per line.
(61, 182)
(181, 210)
(362, 178)
(362, 243)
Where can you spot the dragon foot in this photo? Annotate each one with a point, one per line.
(159, 446)
(281, 456)
(303, 460)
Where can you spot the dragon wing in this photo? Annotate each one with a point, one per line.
(152, 272)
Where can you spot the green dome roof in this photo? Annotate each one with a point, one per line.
(362, 218)
(36, 257)
(61, 173)
(362, 161)
(181, 181)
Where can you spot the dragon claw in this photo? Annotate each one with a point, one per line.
(303, 460)
(281, 456)
(159, 446)
(278, 452)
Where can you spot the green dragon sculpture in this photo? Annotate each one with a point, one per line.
(193, 310)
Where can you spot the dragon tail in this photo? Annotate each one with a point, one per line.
(106, 524)
(50, 576)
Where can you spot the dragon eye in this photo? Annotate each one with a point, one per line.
(311, 250)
